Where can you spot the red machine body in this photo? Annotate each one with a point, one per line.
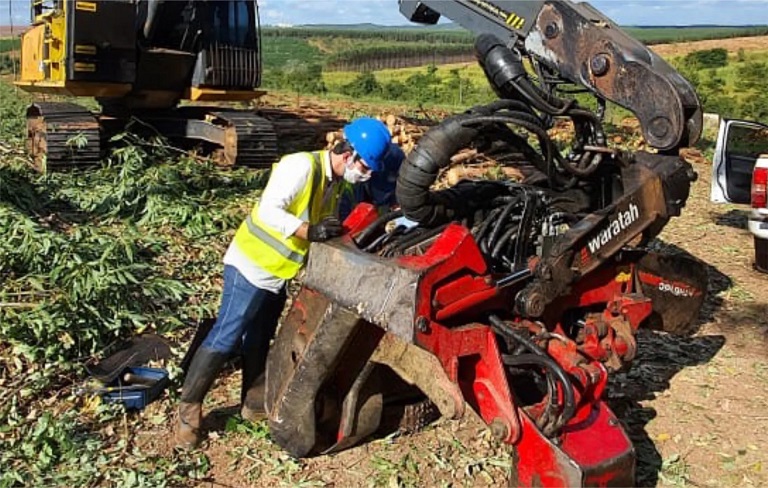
(516, 299)
(459, 314)
(593, 449)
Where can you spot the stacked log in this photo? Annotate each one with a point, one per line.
(311, 125)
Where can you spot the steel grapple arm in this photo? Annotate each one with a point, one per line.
(578, 44)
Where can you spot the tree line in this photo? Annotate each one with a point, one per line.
(370, 58)
(390, 35)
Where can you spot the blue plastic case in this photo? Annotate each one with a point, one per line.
(149, 385)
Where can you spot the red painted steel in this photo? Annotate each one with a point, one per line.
(455, 284)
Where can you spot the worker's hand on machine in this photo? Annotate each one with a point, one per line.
(326, 229)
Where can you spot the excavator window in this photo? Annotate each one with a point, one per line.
(42, 7)
(233, 23)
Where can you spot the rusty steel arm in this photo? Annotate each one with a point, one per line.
(583, 46)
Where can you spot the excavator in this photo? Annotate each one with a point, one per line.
(513, 299)
(140, 59)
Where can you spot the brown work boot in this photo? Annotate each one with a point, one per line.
(252, 398)
(202, 372)
(188, 435)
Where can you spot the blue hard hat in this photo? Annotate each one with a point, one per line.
(370, 138)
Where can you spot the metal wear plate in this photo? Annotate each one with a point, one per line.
(381, 291)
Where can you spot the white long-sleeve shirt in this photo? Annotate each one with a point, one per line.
(288, 179)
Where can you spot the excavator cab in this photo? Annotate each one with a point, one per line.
(140, 59)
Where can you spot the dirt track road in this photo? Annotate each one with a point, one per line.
(733, 45)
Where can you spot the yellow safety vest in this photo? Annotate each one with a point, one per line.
(266, 247)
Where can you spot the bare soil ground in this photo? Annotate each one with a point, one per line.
(8, 31)
(695, 407)
(733, 45)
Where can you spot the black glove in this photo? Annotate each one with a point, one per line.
(327, 228)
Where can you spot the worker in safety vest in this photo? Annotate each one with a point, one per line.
(299, 205)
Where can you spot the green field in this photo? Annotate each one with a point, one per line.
(9, 44)
(338, 48)
(330, 61)
(280, 51)
(736, 89)
(456, 34)
(660, 35)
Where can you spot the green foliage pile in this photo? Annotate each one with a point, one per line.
(8, 64)
(89, 258)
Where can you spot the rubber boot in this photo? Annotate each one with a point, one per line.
(252, 392)
(254, 353)
(202, 372)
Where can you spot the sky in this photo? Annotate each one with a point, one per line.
(623, 12)
(385, 12)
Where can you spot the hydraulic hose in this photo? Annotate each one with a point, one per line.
(420, 170)
(552, 368)
(373, 227)
(544, 140)
(500, 224)
(569, 400)
(504, 69)
(413, 239)
(504, 241)
(587, 164)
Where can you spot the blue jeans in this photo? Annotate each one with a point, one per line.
(247, 317)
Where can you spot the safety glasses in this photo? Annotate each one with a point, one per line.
(356, 158)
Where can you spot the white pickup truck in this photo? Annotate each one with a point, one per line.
(740, 175)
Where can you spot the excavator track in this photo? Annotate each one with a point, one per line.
(62, 135)
(256, 139)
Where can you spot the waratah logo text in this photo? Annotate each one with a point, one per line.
(615, 227)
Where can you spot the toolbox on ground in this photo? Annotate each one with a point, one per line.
(136, 387)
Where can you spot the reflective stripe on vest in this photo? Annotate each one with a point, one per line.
(266, 247)
(276, 244)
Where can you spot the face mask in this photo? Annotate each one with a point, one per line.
(354, 175)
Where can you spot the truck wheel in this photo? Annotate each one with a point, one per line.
(761, 255)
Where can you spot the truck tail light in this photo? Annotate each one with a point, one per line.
(759, 183)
